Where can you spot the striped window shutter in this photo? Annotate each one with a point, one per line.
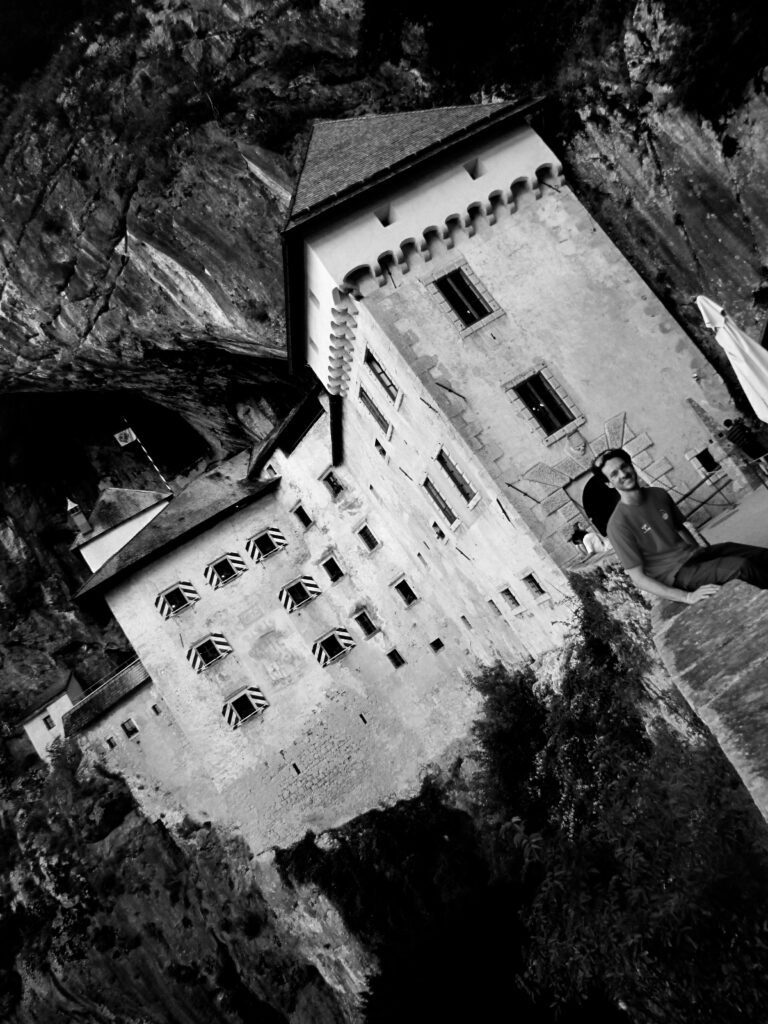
(275, 535)
(257, 699)
(193, 654)
(309, 585)
(344, 638)
(187, 590)
(212, 577)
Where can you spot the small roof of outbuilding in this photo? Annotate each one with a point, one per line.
(344, 156)
(204, 502)
(62, 683)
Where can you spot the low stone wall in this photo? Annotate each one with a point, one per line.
(717, 654)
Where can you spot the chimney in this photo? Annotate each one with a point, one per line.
(77, 518)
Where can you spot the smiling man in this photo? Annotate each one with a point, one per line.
(661, 556)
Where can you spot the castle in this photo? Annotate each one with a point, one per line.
(307, 617)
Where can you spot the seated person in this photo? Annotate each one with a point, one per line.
(661, 556)
(588, 542)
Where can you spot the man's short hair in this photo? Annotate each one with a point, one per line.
(603, 457)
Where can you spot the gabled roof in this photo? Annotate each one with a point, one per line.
(344, 156)
(116, 505)
(206, 501)
(65, 679)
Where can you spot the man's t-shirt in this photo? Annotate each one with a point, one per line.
(645, 535)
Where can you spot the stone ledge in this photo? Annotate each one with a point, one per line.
(717, 655)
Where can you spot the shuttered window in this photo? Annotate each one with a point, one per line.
(332, 646)
(266, 543)
(175, 599)
(299, 592)
(207, 651)
(244, 705)
(224, 569)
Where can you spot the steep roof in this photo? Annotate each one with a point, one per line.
(42, 700)
(116, 505)
(103, 697)
(206, 501)
(343, 156)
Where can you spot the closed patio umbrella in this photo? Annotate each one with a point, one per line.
(748, 359)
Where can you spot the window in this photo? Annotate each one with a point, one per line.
(295, 594)
(207, 651)
(533, 585)
(175, 599)
(244, 705)
(367, 536)
(436, 644)
(271, 471)
(462, 296)
(48, 722)
(334, 570)
(332, 482)
(396, 657)
(129, 727)
(303, 516)
(266, 543)
(366, 623)
(544, 404)
(332, 646)
(510, 598)
(373, 409)
(224, 570)
(494, 607)
(405, 592)
(157, 710)
(380, 448)
(111, 742)
(458, 479)
(707, 461)
(440, 501)
(381, 375)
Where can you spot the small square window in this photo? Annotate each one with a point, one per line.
(707, 461)
(334, 570)
(367, 536)
(264, 544)
(48, 722)
(510, 598)
(244, 705)
(332, 482)
(208, 651)
(462, 296)
(366, 623)
(298, 593)
(436, 644)
(303, 516)
(129, 727)
(156, 709)
(396, 657)
(332, 646)
(223, 570)
(380, 448)
(494, 607)
(533, 585)
(176, 599)
(404, 590)
(111, 742)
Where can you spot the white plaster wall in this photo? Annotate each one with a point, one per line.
(102, 547)
(39, 735)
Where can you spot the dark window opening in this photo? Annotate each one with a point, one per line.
(405, 592)
(381, 420)
(334, 570)
(157, 709)
(380, 374)
(385, 215)
(332, 482)
(510, 598)
(466, 622)
(264, 544)
(533, 585)
(366, 535)
(396, 657)
(544, 403)
(244, 707)
(474, 168)
(462, 296)
(111, 742)
(224, 570)
(494, 607)
(460, 482)
(366, 623)
(208, 652)
(48, 722)
(380, 448)
(176, 599)
(440, 501)
(436, 644)
(303, 516)
(707, 461)
(298, 594)
(438, 532)
(129, 727)
(332, 646)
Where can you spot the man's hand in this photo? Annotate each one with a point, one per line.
(703, 593)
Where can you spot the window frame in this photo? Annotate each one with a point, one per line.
(377, 371)
(336, 489)
(460, 481)
(194, 657)
(46, 719)
(132, 730)
(541, 369)
(537, 592)
(258, 701)
(212, 576)
(374, 412)
(359, 532)
(375, 628)
(323, 564)
(396, 664)
(276, 537)
(461, 294)
(439, 501)
(288, 601)
(163, 605)
(343, 637)
(396, 584)
(299, 511)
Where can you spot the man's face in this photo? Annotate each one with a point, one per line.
(620, 475)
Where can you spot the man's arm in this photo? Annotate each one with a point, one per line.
(659, 589)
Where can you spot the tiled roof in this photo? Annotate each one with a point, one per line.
(205, 501)
(343, 155)
(105, 696)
